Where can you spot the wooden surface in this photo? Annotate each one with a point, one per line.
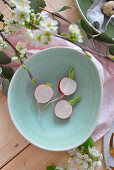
(15, 152)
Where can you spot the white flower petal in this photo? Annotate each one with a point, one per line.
(85, 164)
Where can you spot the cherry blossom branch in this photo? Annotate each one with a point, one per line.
(18, 55)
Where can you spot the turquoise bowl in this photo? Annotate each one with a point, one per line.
(45, 130)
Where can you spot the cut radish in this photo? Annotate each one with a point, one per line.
(43, 93)
(64, 109)
(67, 86)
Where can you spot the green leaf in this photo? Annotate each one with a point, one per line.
(71, 72)
(1, 16)
(85, 38)
(51, 167)
(89, 142)
(0, 70)
(104, 38)
(111, 49)
(7, 72)
(4, 59)
(36, 4)
(5, 85)
(87, 28)
(74, 100)
(29, 26)
(1, 80)
(63, 8)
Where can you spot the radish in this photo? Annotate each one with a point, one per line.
(67, 86)
(64, 109)
(43, 93)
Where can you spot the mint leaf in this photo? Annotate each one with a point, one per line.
(63, 8)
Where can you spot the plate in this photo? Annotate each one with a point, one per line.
(83, 7)
(50, 132)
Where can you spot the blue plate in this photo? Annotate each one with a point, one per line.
(53, 133)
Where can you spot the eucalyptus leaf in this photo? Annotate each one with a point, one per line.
(87, 28)
(1, 80)
(5, 85)
(63, 8)
(111, 49)
(85, 38)
(89, 142)
(36, 4)
(4, 59)
(0, 70)
(7, 72)
(104, 38)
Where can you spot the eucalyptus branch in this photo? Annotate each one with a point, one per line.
(18, 55)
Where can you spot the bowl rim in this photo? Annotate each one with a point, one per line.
(76, 1)
(24, 134)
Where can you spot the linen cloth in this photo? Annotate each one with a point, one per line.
(96, 16)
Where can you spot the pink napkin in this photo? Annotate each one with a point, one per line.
(106, 115)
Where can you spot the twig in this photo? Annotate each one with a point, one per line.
(18, 55)
(58, 15)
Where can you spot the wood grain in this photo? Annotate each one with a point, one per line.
(11, 142)
(15, 152)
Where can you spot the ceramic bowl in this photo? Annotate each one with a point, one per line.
(44, 129)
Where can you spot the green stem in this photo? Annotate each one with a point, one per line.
(71, 102)
(18, 55)
(71, 72)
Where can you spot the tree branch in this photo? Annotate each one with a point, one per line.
(18, 55)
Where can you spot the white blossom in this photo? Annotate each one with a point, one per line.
(99, 163)
(49, 25)
(29, 37)
(94, 152)
(23, 4)
(21, 16)
(21, 47)
(12, 27)
(75, 30)
(3, 44)
(85, 164)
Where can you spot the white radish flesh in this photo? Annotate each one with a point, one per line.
(63, 109)
(43, 93)
(67, 86)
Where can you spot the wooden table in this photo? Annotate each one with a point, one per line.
(15, 152)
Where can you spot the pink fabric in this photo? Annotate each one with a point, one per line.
(106, 115)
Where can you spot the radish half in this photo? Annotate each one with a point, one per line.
(43, 93)
(64, 109)
(67, 85)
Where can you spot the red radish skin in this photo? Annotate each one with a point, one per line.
(63, 109)
(70, 87)
(67, 86)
